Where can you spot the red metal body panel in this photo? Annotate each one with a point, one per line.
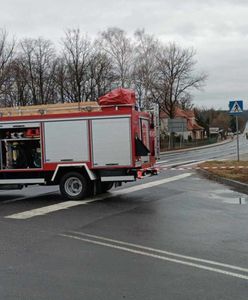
(105, 112)
(108, 111)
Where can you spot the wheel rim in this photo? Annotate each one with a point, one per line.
(73, 186)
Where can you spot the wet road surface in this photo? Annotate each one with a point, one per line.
(172, 236)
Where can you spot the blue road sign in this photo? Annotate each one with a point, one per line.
(236, 107)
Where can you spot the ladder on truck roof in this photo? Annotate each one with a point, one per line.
(58, 108)
(31, 110)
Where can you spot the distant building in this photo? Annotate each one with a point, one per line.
(216, 132)
(189, 128)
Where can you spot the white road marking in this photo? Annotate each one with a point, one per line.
(195, 163)
(177, 163)
(161, 162)
(151, 184)
(203, 161)
(44, 210)
(67, 204)
(210, 262)
(160, 257)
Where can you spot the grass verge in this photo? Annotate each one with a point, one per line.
(234, 170)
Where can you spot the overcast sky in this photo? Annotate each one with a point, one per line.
(218, 30)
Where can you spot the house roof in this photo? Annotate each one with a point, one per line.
(180, 113)
(193, 125)
(187, 114)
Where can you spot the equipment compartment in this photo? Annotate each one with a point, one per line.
(20, 147)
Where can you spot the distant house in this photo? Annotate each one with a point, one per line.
(185, 124)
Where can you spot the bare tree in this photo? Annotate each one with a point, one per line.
(185, 102)
(60, 80)
(6, 56)
(115, 43)
(45, 67)
(26, 56)
(83, 71)
(146, 48)
(19, 92)
(175, 77)
(100, 75)
(76, 53)
(38, 57)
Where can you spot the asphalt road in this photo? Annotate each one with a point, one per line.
(171, 236)
(225, 150)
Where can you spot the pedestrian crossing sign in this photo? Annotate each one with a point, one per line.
(235, 107)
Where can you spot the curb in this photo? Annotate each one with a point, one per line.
(238, 186)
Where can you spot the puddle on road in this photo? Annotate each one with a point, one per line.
(230, 197)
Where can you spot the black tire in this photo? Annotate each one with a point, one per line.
(106, 186)
(74, 186)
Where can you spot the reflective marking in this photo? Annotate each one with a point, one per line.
(67, 204)
(117, 178)
(164, 258)
(22, 181)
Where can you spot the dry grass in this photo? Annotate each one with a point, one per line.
(228, 169)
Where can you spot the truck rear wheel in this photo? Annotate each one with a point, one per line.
(74, 186)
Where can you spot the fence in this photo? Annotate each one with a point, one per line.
(165, 145)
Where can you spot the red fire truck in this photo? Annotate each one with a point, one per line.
(84, 151)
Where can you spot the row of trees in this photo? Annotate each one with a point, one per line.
(208, 118)
(34, 71)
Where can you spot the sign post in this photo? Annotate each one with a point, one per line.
(236, 108)
(178, 125)
(237, 129)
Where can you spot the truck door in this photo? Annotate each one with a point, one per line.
(66, 141)
(111, 142)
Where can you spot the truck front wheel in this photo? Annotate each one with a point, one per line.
(74, 186)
